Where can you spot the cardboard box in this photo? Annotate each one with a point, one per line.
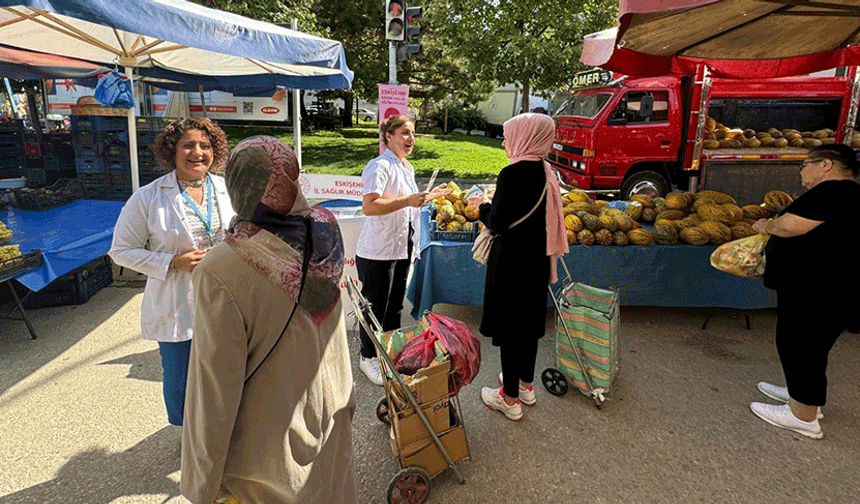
(408, 427)
(427, 385)
(426, 455)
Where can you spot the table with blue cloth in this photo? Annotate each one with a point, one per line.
(653, 275)
(68, 237)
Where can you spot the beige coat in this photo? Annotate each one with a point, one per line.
(286, 435)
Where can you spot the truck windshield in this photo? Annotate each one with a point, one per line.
(584, 105)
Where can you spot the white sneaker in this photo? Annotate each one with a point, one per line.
(782, 417)
(779, 394)
(495, 400)
(527, 395)
(370, 368)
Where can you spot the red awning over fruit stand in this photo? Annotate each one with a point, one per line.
(737, 39)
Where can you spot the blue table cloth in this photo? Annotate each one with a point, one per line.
(655, 275)
(69, 236)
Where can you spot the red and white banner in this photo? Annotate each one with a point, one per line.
(393, 100)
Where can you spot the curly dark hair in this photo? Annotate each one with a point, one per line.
(164, 147)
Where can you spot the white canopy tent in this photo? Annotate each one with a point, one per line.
(178, 41)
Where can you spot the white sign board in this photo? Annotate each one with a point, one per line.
(222, 105)
(327, 187)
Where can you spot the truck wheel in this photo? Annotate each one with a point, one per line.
(647, 183)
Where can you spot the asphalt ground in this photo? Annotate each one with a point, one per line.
(82, 419)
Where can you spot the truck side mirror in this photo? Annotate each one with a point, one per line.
(646, 106)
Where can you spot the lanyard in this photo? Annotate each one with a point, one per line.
(207, 222)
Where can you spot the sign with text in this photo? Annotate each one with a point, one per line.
(393, 100)
(326, 187)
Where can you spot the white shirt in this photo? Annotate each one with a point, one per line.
(384, 237)
(151, 229)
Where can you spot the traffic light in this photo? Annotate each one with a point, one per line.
(395, 19)
(409, 50)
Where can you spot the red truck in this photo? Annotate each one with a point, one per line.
(647, 135)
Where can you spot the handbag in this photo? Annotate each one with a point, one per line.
(484, 241)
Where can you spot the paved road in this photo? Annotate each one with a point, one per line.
(81, 420)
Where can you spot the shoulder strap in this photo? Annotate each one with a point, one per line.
(305, 262)
(542, 194)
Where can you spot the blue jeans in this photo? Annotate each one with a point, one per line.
(174, 365)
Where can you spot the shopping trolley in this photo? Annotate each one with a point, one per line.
(412, 415)
(586, 340)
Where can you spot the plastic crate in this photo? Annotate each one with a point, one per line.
(99, 123)
(52, 163)
(118, 179)
(117, 165)
(93, 180)
(89, 164)
(150, 123)
(109, 193)
(13, 171)
(457, 236)
(82, 150)
(12, 125)
(74, 288)
(11, 137)
(116, 150)
(62, 192)
(15, 266)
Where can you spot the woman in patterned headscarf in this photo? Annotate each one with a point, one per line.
(270, 401)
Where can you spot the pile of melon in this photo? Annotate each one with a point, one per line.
(453, 212)
(718, 136)
(707, 217)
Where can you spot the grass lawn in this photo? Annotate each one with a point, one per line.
(347, 151)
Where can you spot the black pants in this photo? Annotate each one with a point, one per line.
(518, 363)
(383, 284)
(806, 329)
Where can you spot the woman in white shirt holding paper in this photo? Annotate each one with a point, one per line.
(388, 240)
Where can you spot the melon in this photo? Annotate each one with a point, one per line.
(603, 237)
(634, 210)
(573, 223)
(694, 236)
(718, 197)
(643, 199)
(670, 215)
(571, 237)
(639, 237)
(620, 238)
(664, 234)
(648, 215)
(734, 210)
(718, 233)
(607, 222)
(776, 201)
(755, 212)
(714, 213)
(742, 230)
(624, 222)
(585, 237)
(590, 221)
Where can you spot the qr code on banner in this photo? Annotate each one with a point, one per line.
(247, 108)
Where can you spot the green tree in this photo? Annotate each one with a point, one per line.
(271, 11)
(536, 43)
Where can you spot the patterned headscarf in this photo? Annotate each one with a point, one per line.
(261, 176)
(529, 137)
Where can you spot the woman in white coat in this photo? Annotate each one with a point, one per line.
(165, 230)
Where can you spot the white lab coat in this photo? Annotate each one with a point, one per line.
(151, 229)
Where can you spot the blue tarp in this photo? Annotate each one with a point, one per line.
(68, 236)
(656, 275)
(181, 40)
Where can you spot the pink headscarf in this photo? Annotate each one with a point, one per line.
(528, 137)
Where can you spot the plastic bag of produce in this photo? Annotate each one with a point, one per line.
(443, 336)
(744, 257)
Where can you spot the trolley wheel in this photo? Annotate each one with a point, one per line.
(409, 486)
(382, 411)
(554, 381)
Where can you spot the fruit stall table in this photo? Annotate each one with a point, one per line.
(654, 275)
(69, 236)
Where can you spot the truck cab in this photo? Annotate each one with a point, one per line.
(622, 139)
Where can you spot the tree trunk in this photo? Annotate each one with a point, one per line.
(524, 104)
(346, 115)
(445, 129)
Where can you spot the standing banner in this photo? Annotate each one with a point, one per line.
(393, 100)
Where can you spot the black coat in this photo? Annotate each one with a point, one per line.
(515, 292)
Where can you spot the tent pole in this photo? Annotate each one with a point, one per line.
(202, 98)
(132, 134)
(297, 112)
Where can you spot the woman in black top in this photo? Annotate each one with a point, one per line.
(807, 264)
(519, 268)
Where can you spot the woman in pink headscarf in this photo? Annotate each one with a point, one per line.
(522, 258)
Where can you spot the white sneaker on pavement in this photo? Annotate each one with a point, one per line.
(370, 368)
(779, 394)
(527, 395)
(782, 417)
(495, 400)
